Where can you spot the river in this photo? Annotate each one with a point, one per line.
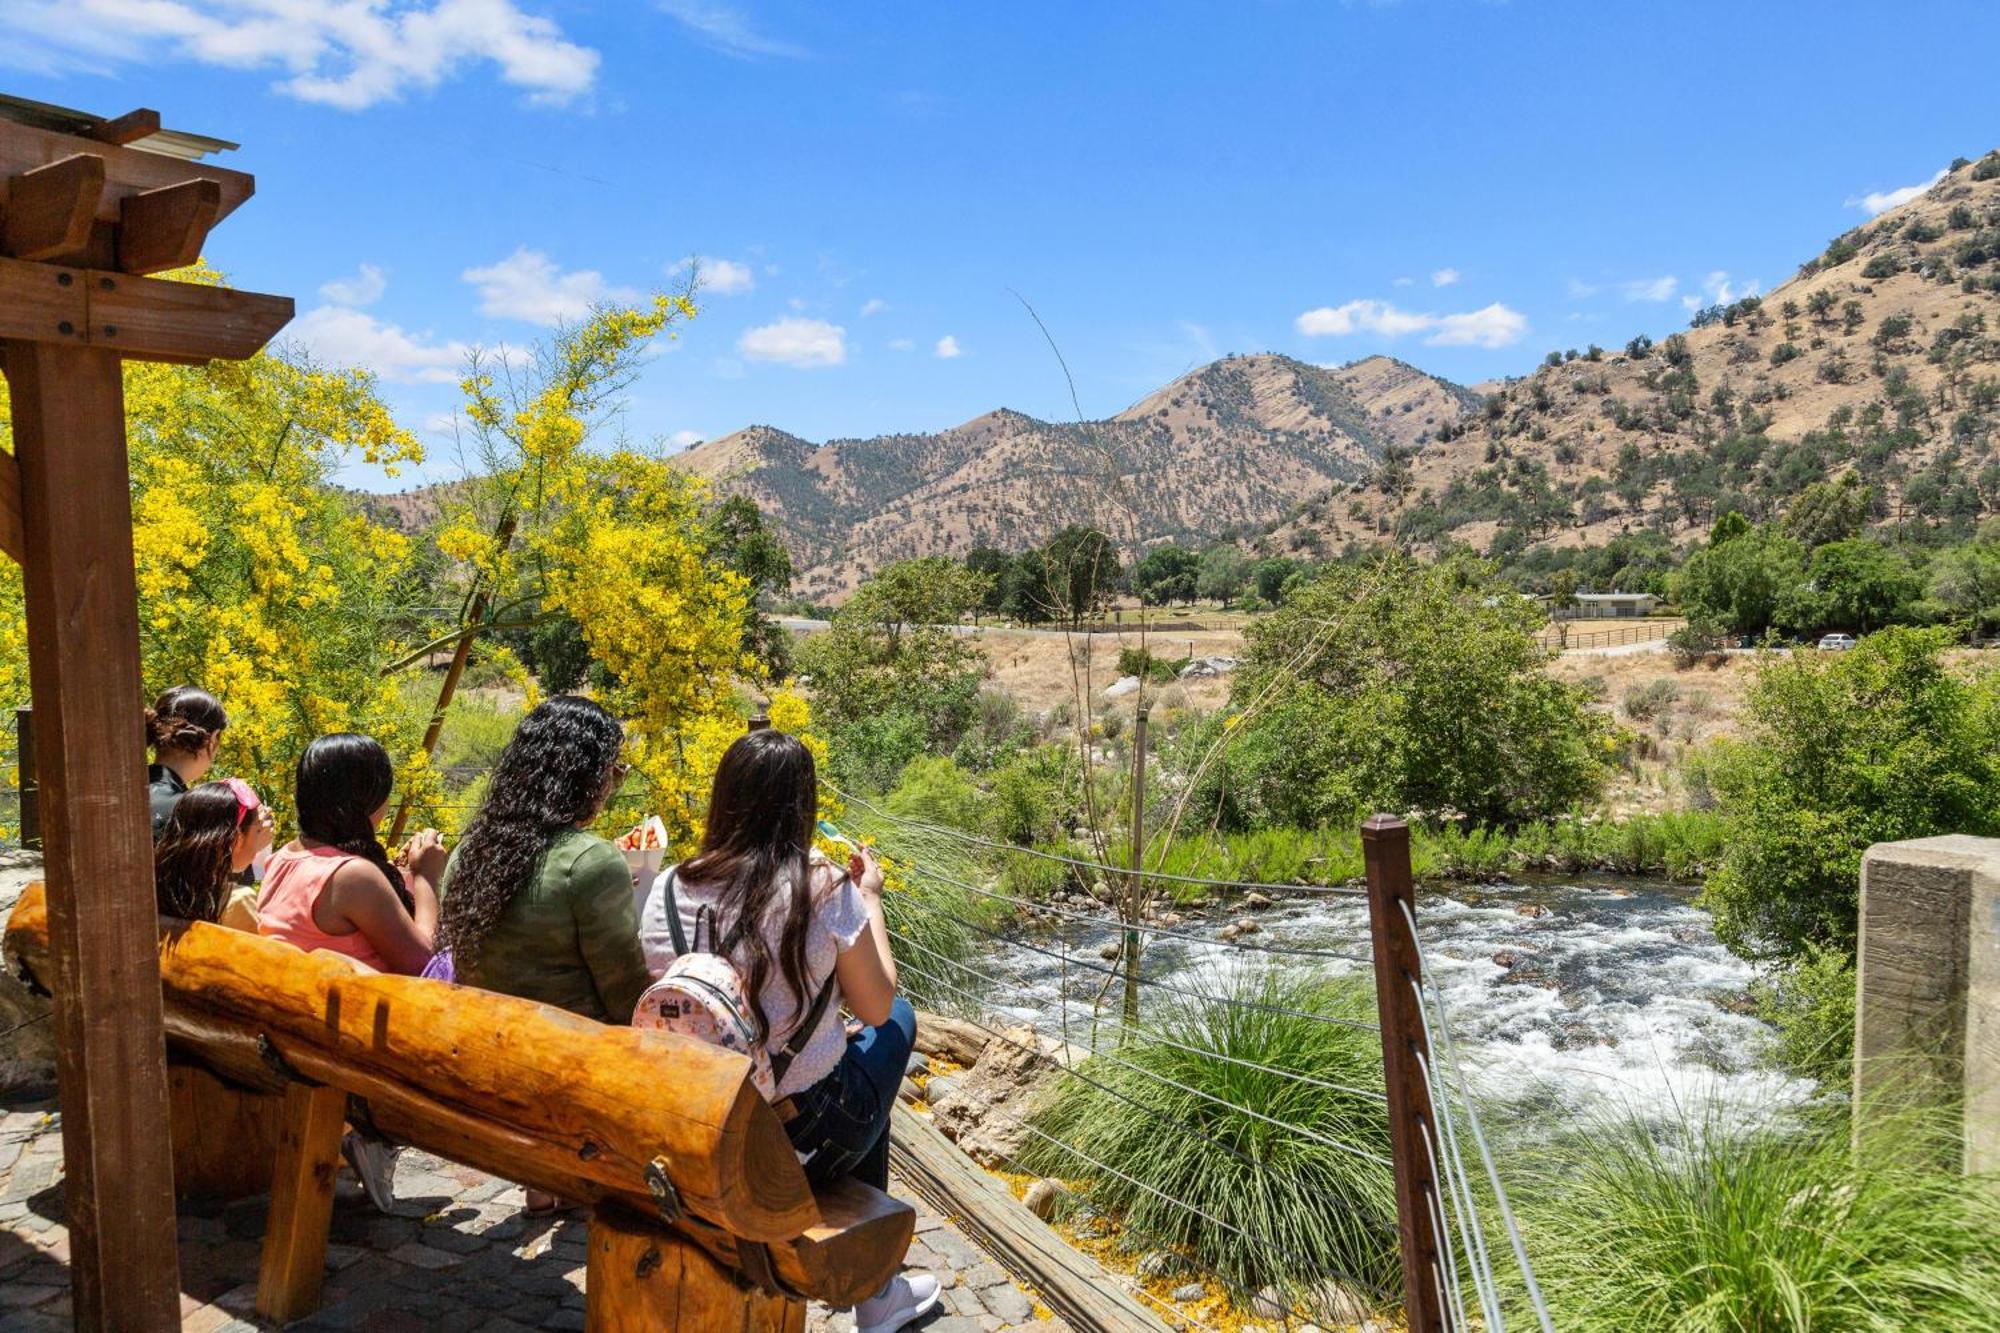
(1569, 999)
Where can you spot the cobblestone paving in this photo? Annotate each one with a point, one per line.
(457, 1255)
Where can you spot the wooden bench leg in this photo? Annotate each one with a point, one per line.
(642, 1278)
(225, 1137)
(308, 1159)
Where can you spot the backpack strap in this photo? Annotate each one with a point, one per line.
(674, 912)
(781, 1061)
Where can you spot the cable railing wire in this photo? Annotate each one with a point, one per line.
(1114, 872)
(1479, 1134)
(1324, 1140)
(917, 867)
(1232, 1001)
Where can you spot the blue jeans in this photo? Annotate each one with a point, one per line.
(843, 1120)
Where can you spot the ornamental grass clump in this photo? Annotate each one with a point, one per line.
(1725, 1229)
(1288, 1209)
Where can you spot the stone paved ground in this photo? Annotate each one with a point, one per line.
(458, 1255)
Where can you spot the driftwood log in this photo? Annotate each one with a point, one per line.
(665, 1136)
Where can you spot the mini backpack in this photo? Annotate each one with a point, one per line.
(703, 995)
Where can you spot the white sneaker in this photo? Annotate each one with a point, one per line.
(904, 1298)
(373, 1162)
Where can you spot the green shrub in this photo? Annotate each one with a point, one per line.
(1810, 1001)
(1732, 1230)
(936, 791)
(1645, 702)
(1311, 1211)
(1142, 662)
(1033, 796)
(1881, 266)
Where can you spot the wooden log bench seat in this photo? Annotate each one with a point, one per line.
(701, 1216)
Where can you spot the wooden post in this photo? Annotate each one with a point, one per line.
(1135, 895)
(83, 661)
(1385, 846)
(294, 1258)
(24, 765)
(761, 722)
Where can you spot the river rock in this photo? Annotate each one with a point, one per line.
(1503, 959)
(1193, 1291)
(1257, 902)
(1228, 933)
(1270, 1303)
(1121, 687)
(1110, 951)
(1248, 925)
(982, 1110)
(1338, 1303)
(1161, 1263)
(1531, 910)
(1042, 1198)
(1171, 919)
(942, 1086)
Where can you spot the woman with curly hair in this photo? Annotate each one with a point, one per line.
(211, 837)
(334, 887)
(535, 904)
(183, 730)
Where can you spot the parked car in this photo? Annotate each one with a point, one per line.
(1836, 643)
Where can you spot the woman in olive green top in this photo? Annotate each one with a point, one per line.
(534, 905)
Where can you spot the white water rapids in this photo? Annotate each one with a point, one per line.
(1619, 1000)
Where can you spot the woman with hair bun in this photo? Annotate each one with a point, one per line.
(334, 887)
(183, 730)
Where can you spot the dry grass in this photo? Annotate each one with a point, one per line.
(1036, 668)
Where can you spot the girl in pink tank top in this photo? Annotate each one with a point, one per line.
(335, 887)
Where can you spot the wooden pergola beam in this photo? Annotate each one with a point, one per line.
(128, 128)
(141, 319)
(127, 171)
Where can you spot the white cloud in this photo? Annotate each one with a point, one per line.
(805, 343)
(1361, 317)
(364, 288)
(948, 348)
(342, 337)
(1650, 289)
(1717, 289)
(720, 27)
(1444, 277)
(718, 277)
(1881, 201)
(902, 345)
(875, 306)
(1403, 282)
(1489, 326)
(685, 439)
(528, 285)
(349, 55)
(1492, 326)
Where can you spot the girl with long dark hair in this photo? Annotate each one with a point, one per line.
(335, 887)
(183, 730)
(211, 837)
(535, 904)
(807, 937)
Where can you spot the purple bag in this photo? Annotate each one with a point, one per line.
(439, 968)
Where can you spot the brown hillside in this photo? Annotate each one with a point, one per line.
(1880, 356)
(1230, 448)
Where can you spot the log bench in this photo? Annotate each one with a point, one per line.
(701, 1216)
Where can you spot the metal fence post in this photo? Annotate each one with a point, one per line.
(1385, 846)
(24, 764)
(1135, 896)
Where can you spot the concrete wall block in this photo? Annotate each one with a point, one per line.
(1927, 1027)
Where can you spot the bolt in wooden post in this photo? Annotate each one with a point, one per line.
(1385, 847)
(1135, 894)
(24, 764)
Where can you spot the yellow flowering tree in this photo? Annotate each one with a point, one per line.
(258, 578)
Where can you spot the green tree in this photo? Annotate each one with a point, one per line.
(1845, 750)
(1741, 583)
(1392, 685)
(740, 538)
(893, 677)
(1854, 585)
(1225, 571)
(1965, 583)
(1829, 511)
(1167, 574)
(997, 568)
(1271, 576)
(1066, 579)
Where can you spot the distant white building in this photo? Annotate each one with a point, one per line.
(1609, 606)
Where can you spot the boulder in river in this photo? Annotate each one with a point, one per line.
(1531, 910)
(1503, 959)
(1257, 902)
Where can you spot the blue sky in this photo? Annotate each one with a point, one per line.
(1463, 184)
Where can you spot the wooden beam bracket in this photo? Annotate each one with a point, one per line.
(50, 208)
(166, 228)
